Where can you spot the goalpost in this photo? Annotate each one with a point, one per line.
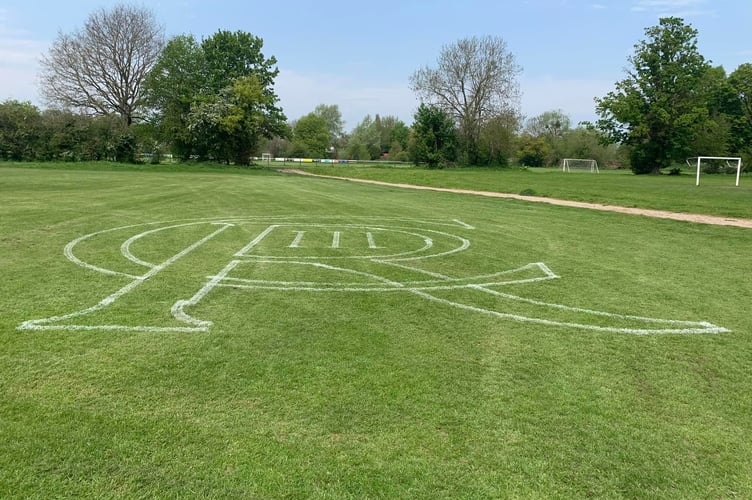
(567, 164)
(727, 159)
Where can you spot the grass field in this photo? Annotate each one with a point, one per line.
(246, 334)
(716, 195)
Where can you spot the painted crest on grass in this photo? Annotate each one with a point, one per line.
(197, 259)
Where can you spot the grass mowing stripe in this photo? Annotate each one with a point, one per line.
(363, 394)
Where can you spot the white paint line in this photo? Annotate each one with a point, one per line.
(177, 309)
(153, 329)
(371, 241)
(68, 252)
(466, 226)
(689, 327)
(298, 239)
(698, 327)
(427, 245)
(379, 284)
(410, 268)
(256, 240)
(465, 244)
(26, 325)
(482, 288)
(125, 248)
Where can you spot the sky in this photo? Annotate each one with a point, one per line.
(360, 55)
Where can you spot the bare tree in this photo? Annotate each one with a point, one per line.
(101, 68)
(475, 81)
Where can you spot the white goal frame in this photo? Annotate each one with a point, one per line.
(727, 158)
(593, 164)
(267, 157)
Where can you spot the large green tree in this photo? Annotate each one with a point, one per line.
(740, 83)
(175, 84)
(474, 82)
(311, 135)
(658, 109)
(216, 98)
(434, 137)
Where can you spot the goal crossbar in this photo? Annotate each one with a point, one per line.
(726, 158)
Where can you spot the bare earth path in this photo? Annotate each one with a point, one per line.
(661, 214)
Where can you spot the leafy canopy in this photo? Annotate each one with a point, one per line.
(659, 107)
(216, 99)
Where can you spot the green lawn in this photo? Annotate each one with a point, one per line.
(246, 334)
(716, 194)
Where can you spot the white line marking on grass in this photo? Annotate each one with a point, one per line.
(256, 240)
(298, 239)
(34, 324)
(428, 243)
(693, 327)
(448, 244)
(371, 241)
(463, 224)
(177, 309)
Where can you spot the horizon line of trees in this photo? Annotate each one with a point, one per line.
(28, 133)
(116, 90)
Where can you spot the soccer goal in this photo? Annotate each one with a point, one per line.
(579, 164)
(712, 164)
(267, 157)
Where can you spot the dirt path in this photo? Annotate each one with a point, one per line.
(661, 214)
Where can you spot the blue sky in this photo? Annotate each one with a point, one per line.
(360, 55)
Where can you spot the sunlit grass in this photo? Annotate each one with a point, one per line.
(716, 194)
(295, 393)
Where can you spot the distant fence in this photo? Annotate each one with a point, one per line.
(169, 158)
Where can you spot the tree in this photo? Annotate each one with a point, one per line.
(20, 128)
(587, 142)
(474, 82)
(101, 68)
(312, 131)
(434, 137)
(657, 109)
(333, 119)
(552, 124)
(365, 140)
(713, 136)
(216, 98)
(174, 84)
(533, 151)
(740, 82)
(497, 140)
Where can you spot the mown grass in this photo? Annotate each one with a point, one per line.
(716, 194)
(353, 395)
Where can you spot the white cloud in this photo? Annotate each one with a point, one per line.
(678, 8)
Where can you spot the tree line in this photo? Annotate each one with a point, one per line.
(115, 89)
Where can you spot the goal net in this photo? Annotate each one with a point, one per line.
(716, 165)
(579, 164)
